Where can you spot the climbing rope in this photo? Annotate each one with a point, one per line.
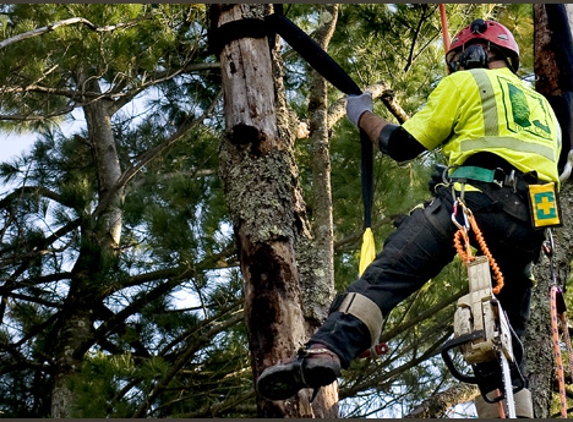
(462, 242)
(558, 317)
(444, 21)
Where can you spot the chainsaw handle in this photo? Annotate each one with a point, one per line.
(455, 342)
(458, 341)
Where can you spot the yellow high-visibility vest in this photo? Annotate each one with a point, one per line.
(490, 110)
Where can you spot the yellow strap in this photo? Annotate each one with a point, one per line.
(367, 251)
(367, 311)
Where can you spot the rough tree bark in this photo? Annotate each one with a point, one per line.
(259, 176)
(553, 70)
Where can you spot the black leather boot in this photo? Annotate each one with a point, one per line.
(312, 367)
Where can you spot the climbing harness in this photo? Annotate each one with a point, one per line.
(558, 317)
(481, 328)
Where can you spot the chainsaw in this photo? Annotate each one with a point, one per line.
(482, 333)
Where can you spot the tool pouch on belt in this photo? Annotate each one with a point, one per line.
(534, 203)
(544, 205)
(523, 198)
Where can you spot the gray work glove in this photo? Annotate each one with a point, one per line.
(356, 105)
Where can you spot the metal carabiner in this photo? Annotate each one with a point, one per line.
(466, 225)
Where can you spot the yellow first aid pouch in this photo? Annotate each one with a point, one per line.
(544, 204)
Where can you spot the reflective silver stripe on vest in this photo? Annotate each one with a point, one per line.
(491, 125)
(488, 103)
(508, 143)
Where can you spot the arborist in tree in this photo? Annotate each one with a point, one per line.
(500, 137)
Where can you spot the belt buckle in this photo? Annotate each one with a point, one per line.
(505, 179)
(511, 180)
(499, 180)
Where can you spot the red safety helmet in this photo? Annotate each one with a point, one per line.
(491, 31)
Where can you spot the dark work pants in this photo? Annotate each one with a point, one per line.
(418, 250)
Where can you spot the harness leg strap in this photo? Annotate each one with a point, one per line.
(366, 310)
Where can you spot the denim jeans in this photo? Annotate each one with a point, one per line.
(419, 249)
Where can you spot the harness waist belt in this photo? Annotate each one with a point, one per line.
(497, 176)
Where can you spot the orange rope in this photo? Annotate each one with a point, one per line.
(556, 346)
(444, 20)
(567, 340)
(467, 255)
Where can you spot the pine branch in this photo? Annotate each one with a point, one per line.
(36, 300)
(31, 190)
(433, 350)
(193, 331)
(35, 117)
(215, 328)
(426, 14)
(437, 405)
(112, 323)
(19, 360)
(119, 98)
(104, 313)
(423, 316)
(150, 155)
(205, 340)
(28, 257)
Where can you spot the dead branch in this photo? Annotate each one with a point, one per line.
(66, 22)
(437, 405)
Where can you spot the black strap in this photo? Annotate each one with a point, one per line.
(320, 61)
(236, 30)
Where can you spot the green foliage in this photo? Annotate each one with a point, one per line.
(173, 343)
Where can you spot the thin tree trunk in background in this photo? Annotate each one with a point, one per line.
(100, 236)
(318, 284)
(554, 81)
(256, 167)
(319, 289)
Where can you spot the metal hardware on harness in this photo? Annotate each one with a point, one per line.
(507, 179)
(458, 203)
(465, 174)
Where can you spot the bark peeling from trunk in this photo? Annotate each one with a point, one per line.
(257, 170)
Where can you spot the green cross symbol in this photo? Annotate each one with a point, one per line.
(545, 205)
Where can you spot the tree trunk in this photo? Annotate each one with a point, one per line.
(318, 282)
(319, 287)
(257, 169)
(100, 237)
(553, 70)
